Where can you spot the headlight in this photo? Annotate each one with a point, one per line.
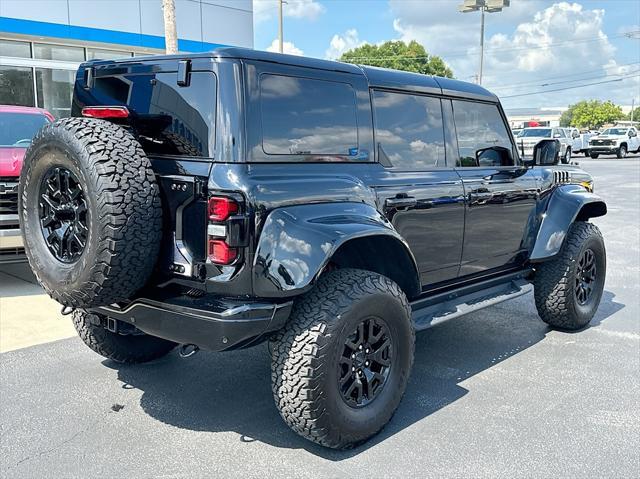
(587, 185)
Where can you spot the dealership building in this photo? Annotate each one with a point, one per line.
(42, 42)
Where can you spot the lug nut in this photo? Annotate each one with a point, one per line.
(353, 369)
(353, 356)
(360, 347)
(366, 363)
(367, 351)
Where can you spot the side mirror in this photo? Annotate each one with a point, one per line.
(557, 135)
(546, 153)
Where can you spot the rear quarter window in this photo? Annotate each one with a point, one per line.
(308, 117)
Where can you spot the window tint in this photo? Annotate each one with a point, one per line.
(409, 130)
(301, 116)
(482, 135)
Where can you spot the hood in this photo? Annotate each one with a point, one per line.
(11, 161)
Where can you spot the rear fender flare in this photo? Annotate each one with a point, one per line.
(298, 242)
(567, 204)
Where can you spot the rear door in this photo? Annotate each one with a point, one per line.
(500, 193)
(419, 191)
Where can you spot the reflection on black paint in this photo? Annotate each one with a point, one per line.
(167, 118)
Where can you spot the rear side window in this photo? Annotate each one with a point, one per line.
(409, 130)
(17, 129)
(303, 116)
(483, 140)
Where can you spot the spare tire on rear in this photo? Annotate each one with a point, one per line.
(90, 211)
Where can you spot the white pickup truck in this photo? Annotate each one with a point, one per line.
(615, 141)
(529, 137)
(579, 141)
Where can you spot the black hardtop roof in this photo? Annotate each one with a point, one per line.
(377, 77)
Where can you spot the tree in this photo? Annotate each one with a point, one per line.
(636, 114)
(398, 55)
(594, 113)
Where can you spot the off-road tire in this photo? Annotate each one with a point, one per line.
(554, 282)
(594, 155)
(129, 348)
(621, 152)
(305, 357)
(124, 218)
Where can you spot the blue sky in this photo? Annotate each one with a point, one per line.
(531, 47)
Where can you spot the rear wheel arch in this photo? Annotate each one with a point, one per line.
(382, 254)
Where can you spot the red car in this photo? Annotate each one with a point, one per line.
(18, 124)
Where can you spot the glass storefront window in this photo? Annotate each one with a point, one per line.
(101, 54)
(10, 48)
(16, 86)
(55, 90)
(46, 51)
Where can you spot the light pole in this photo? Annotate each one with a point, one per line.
(170, 31)
(280, 27)
(488, 6)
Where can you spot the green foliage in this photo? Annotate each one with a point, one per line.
(398, 55)
(636, 114)
(592, 114)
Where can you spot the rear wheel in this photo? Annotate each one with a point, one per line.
(341, 365)
(622, 151)
(594, 155)
(126, 345)
(567, 156)
(569, 287)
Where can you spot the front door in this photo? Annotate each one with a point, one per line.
(500, 194)
(420, 194)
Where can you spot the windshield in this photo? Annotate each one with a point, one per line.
(17, 129)
(543, 132)
(614, 131)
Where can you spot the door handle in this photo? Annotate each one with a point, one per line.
(401, 202)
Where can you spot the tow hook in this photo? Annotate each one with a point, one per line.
(188, 350)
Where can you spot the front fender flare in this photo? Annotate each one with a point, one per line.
(297, 242)
(567, 204)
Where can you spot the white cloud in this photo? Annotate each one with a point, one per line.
(538, 42)
(288, 47)
(342, 43)
(267, 9)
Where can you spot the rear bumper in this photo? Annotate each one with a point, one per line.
(214, 324)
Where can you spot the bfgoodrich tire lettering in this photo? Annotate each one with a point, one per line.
(557, 300)
(306, 355)
(124, 213)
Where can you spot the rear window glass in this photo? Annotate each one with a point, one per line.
(17, 129)
(302, 116)
(409, 130)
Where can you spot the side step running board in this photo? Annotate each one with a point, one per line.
(431, 311)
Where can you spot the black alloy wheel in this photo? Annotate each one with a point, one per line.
(63, 214)
(365, 363)
(585, 277)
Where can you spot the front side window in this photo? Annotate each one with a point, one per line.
(483, 140)
(409, 130)
(303, 116)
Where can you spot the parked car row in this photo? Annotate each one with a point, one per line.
(617, 141)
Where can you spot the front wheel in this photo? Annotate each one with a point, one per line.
(568, 288)
(622, 151)
(594, 155)
(341, 365)
(567, 157)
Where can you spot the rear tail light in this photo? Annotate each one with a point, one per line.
(220, 252)
(220, 208)
(105, 112)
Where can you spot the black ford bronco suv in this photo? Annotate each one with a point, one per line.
(219, 200)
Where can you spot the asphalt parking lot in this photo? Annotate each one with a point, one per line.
(495, 393)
